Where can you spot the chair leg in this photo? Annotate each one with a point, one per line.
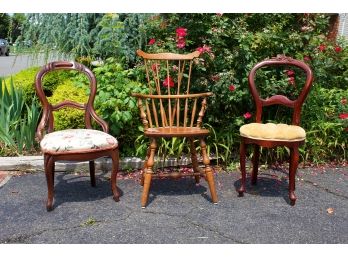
(242, 158)
(115, 166)
(49, 172)
(255, 169)
(208, 171)
(92, 173)
(148, 172)
(194, 160)
(294, 157)
(144, 167)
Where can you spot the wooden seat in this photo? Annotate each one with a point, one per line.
(169, 110)
(73, 144)
(175, 132)
(271, 135)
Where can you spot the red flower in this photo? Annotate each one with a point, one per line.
(152, 41)
(181, 32)
(344, 101)
(204, 49)
(168, 82)
(215, 78)
(247, 115)
(307, 58)
(231, 87)
(291, 80)
(343, 116)
(219, 14)
(155, 67)
(181, 43)
(338, 49)
(200, 49)
(322, 48)
(290, 73)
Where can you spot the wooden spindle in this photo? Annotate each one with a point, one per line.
(154, 111)
(169, 100)
(148, 112)
(201, 113)
(193, 112)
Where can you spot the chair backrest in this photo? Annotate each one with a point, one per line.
(48, 109)
(169, 102)
(278, 99)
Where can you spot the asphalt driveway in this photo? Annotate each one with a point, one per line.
(178, 210)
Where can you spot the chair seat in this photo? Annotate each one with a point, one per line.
(176, 132)
(273, 132)
(77, 141)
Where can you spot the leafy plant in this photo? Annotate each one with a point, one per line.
(69, 117)
(18, 121)
(116, 105)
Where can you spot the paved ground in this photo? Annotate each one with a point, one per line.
(15, 63)
(178, 211)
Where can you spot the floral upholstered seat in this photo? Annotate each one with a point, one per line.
(77, 140)
(272, 131)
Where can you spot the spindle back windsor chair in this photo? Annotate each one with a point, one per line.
(170, 110)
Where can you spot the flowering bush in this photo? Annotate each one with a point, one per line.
(230, 44)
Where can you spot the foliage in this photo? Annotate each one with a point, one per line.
(69, 117)
(25, 80)
(70, 33)
(327, 133)
(4, 25)
(116, 105)
(18, 121)
(232, 43)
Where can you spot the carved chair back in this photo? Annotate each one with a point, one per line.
(169, 102)
(279, 99)
(48, 108)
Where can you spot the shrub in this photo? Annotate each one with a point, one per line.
(232, 43)
(115, 104)
(25, 80)
(326, 125)
(69, 117)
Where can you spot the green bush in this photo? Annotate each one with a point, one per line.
(115, 104)
(25, 80)
(232, 43)
(69, 117)
(327, 128)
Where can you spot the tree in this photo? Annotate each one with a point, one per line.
(16, 26)
(5, 21)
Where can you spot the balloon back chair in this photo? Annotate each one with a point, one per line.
(73, 144)
(271, 135)
(169, 110)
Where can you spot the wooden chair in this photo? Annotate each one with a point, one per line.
(272, 135)
(73, 144)
(169, 110)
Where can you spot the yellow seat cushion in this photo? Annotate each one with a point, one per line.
(272, 131)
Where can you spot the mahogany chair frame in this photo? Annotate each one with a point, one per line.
(47, 121)
(296, 105)
(167, 115)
